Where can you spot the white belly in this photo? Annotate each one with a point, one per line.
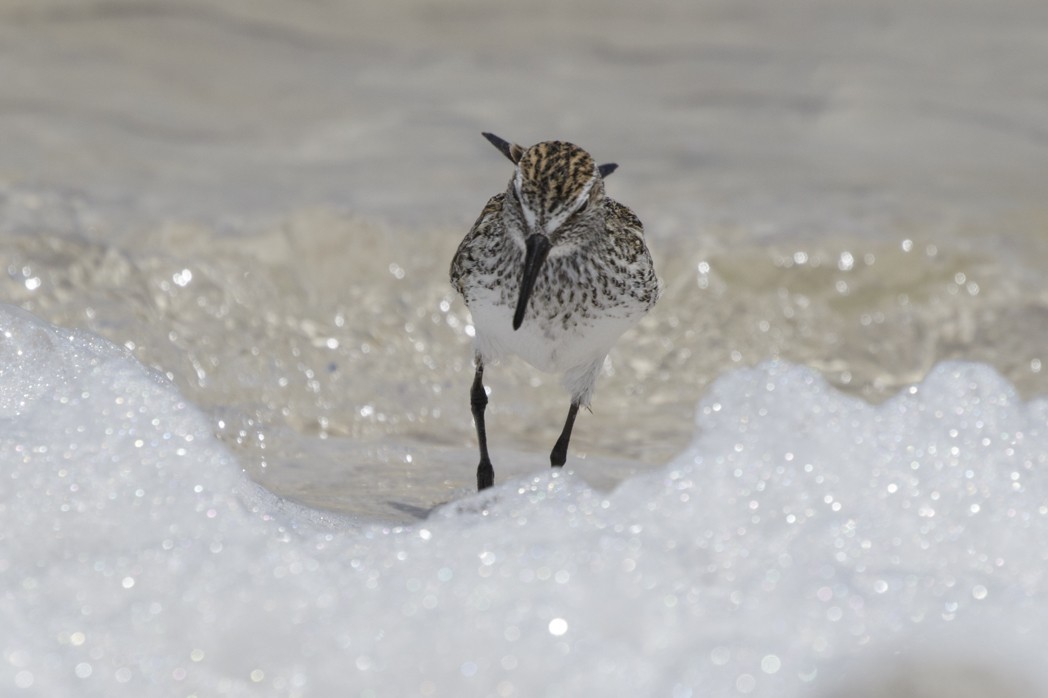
(547, 345)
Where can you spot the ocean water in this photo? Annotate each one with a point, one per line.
(237, 451)
(801, 532)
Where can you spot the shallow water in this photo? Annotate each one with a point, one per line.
(260, 205)
(856, 193)
(319, 384)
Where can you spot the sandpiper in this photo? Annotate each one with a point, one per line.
(553, 271)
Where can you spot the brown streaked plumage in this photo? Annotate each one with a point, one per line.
(553, 271)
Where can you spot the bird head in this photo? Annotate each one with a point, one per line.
(558, 191)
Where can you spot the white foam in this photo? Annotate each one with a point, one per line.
(802, 538)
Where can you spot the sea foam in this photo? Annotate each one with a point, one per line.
(806, 543)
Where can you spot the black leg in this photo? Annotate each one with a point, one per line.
(478, 400)
(559, 456)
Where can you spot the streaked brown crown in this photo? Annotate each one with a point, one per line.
(554, 179)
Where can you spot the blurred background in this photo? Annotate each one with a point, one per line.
(260, 200)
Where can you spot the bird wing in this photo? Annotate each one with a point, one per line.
(473, 252)
(627, 233)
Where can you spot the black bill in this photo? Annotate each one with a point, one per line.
(536, 249)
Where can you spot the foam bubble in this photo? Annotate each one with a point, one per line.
(801, 534)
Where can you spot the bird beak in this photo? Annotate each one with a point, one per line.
(536, 250)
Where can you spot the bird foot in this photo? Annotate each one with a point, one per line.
(485, 475)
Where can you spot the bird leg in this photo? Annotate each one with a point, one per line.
(478, 400)
(559, 456)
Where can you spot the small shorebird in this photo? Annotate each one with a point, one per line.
(554, 272)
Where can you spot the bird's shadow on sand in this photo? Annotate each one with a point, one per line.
(480, 505)
(414, 511)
